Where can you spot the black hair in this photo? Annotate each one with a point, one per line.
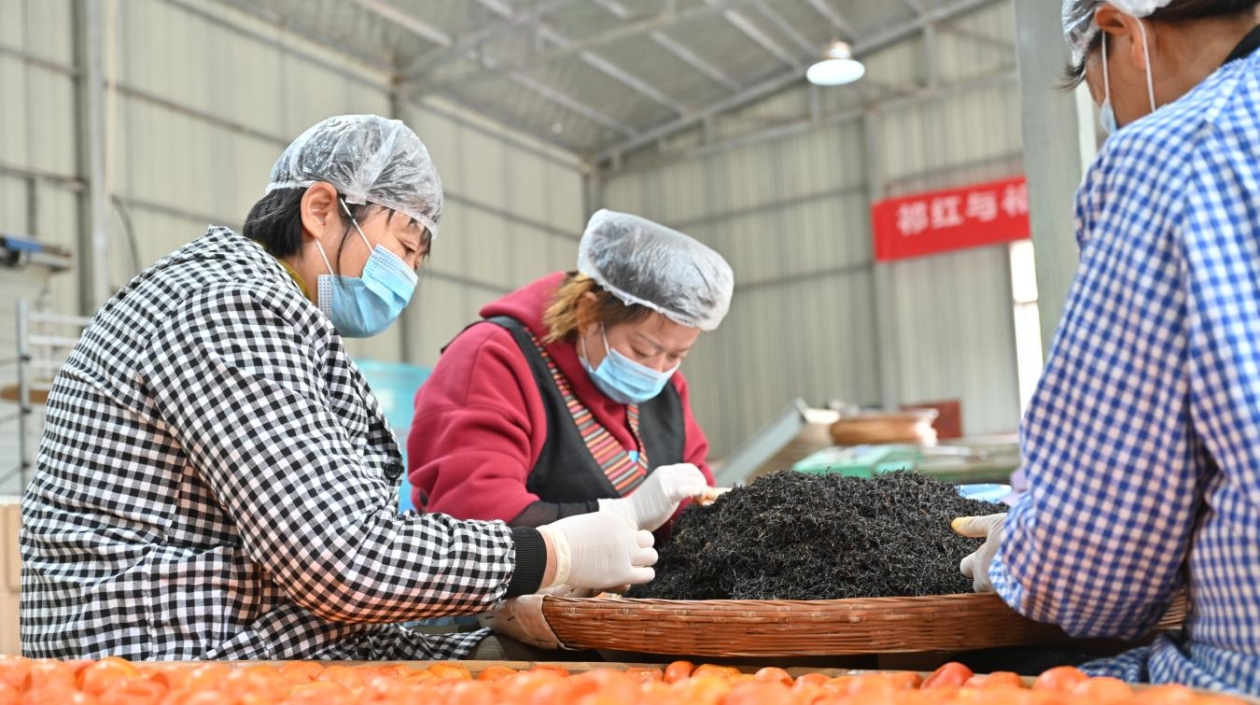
(1176, 12)
(275, 222)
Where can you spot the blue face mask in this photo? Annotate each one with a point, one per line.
(361, 307)
(623, 380)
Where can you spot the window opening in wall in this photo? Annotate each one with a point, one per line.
(1029, 358)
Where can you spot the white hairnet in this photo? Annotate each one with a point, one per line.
(1078, 20)
(369, 159)
(641, 262)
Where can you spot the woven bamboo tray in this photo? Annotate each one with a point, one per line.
(766, 628)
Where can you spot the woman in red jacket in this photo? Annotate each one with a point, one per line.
(566, 399)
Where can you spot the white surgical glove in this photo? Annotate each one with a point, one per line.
(522, 619)
(976, 566)
(656, 500)
(598, 549)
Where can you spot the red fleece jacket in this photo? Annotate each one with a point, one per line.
(479, 422)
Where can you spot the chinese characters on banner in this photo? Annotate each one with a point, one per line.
(958, 219)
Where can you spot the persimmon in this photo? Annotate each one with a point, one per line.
(44, 674)
(679, 670)
(101, 675)
(759, 693)
(495, 673)
(645, 674)
(998, 679)
(771, 674)
(1102, 691)
(1062, 679)
(1164, 695)
(136, 691)
(549, 668)
(811, 679)
(952, 674)
(450, 671)
(703, 690)
(300, 671)
(716, 671)
(14, 671)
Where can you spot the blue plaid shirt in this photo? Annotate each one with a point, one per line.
(1142, 444)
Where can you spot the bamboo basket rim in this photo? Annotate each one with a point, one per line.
(772, 628)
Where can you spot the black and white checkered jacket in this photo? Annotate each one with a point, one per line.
(216, 481)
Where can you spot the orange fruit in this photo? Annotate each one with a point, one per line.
(1102, 691)
(495, 673)
(999, 679)
(348, 677)
(14, 671)
(952, 674)
(300, 671)
(450, 671)
(1165, 695)
(646, 674)
(679, 670)
(718, 671)
(100, 676)
(759, 693)
(771, 674)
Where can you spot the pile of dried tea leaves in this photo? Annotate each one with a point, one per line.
(794, 536)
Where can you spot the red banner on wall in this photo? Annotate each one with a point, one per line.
(957, 219)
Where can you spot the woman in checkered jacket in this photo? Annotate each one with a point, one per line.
(216, 480)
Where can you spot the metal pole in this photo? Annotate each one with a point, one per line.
(1053, 137)
(93, 245)
(409, 348)
(885, 326)
(24, 387)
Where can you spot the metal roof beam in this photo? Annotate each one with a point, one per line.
(571, 104)
(916, 5)
(837, 21)
(662, 20)
(548, 93)
(406, 20)
(592, 60)
(755, 33)
(684, 54)
(783, 80)
(786, 28)
(690, 58)
(613, 71)
(468, 42)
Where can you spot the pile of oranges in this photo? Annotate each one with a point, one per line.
(114, 681)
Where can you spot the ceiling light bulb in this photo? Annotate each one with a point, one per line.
(836, 68)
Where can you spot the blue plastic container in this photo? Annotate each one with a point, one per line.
(395, 385)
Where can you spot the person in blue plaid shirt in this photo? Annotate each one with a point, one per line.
(1142, 443)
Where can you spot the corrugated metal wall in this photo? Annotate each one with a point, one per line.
(790, 210)
(206, 98)
(514, 212)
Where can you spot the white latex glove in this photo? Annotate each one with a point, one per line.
(598, 549)
(522, 619)
(976, 566)
(656, 500)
